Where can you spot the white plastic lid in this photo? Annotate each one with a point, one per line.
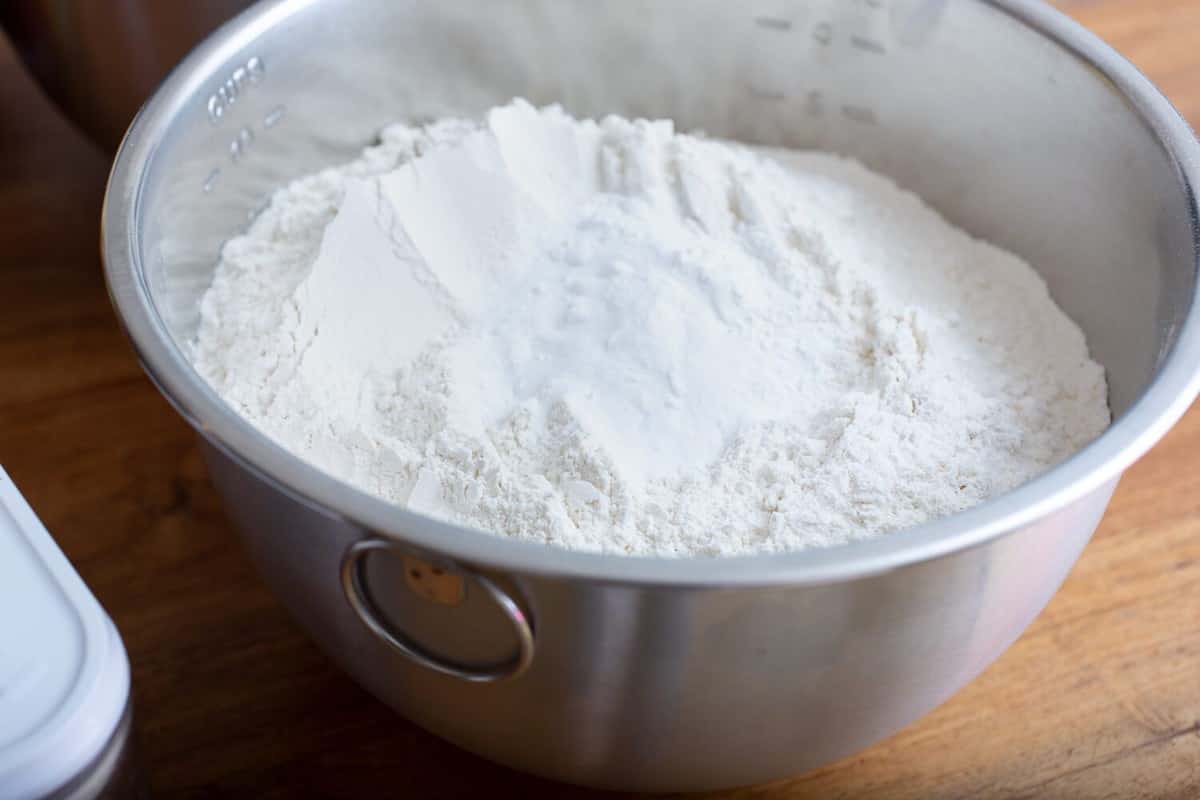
(64, 676)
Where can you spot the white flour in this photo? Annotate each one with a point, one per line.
(609, 336)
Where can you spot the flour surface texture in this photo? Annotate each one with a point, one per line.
(609, 336)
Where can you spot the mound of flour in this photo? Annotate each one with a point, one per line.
(610, 336)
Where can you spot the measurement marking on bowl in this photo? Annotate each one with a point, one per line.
(241, 143)
(868, 45)
(822, 33)
(255, 211)
(211, 180)
(774, 23)
(769, 95)
(238, 81)
(274, 116)
(860, 114)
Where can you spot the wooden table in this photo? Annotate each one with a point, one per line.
(1100, 698)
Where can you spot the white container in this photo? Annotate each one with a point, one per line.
(64, 675)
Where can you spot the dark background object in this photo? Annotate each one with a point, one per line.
(100, 59)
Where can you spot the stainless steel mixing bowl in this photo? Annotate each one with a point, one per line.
(640, 673)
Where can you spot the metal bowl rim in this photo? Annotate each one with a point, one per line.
(1163, 402)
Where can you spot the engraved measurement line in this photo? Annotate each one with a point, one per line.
(868, 45)
(211, 180)
(860, 114)
(257, 210)
(773, 23)
(240, 144)
(274, 116)
(767, 94)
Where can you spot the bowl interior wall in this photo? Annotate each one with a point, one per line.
(1006, 133)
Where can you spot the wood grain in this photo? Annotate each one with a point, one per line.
(1100, 698)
